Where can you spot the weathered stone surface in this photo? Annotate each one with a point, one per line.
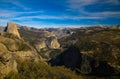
(40, 45)
(12, 49)
(9, 43)
(48, 34)
(19, 48)
(13, 29)
(7, 62)
(2, 29)
(48, 42)
(52, 42)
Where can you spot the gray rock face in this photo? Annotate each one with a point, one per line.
(2, 28)
(48, 42)
(52, 42)
(19, 48)
(13, 29)
(10, 44)
(7, 62)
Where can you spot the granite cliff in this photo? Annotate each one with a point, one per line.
(13, 48)
(13, 29)
(52, 42)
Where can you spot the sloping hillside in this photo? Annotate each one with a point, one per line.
(94, 52)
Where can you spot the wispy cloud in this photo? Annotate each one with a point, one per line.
(16, 3)
(114, 2)
(29, 20)
(79, 6)
(107, 14)
(74, 12)
(56, 17)
(12, 14)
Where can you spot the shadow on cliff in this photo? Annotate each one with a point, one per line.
(72, 58)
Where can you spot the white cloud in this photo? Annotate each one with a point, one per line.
(114, 2)
(79, 6)
(107, 14)
(28, 20)
(16, 3)
(54, 17)
(73, 5)
(39, 24)
(12, 14)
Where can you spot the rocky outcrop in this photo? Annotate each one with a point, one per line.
(12, 49)
(14, 44)
(9, 43)
(40, 39)
(40, 45)
(19, 49)
(52, 42)
(72, 58)
(13, 29)
(48, 42)
(7, 62)
(2, 29)
(48, 34)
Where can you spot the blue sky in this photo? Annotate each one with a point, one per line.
(60, 13)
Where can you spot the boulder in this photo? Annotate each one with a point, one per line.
(9, 43)
(13, 29)
(7, 62)
(19, 49)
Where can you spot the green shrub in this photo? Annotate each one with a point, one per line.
(22, 46)
(41, 70)
(9, 35)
